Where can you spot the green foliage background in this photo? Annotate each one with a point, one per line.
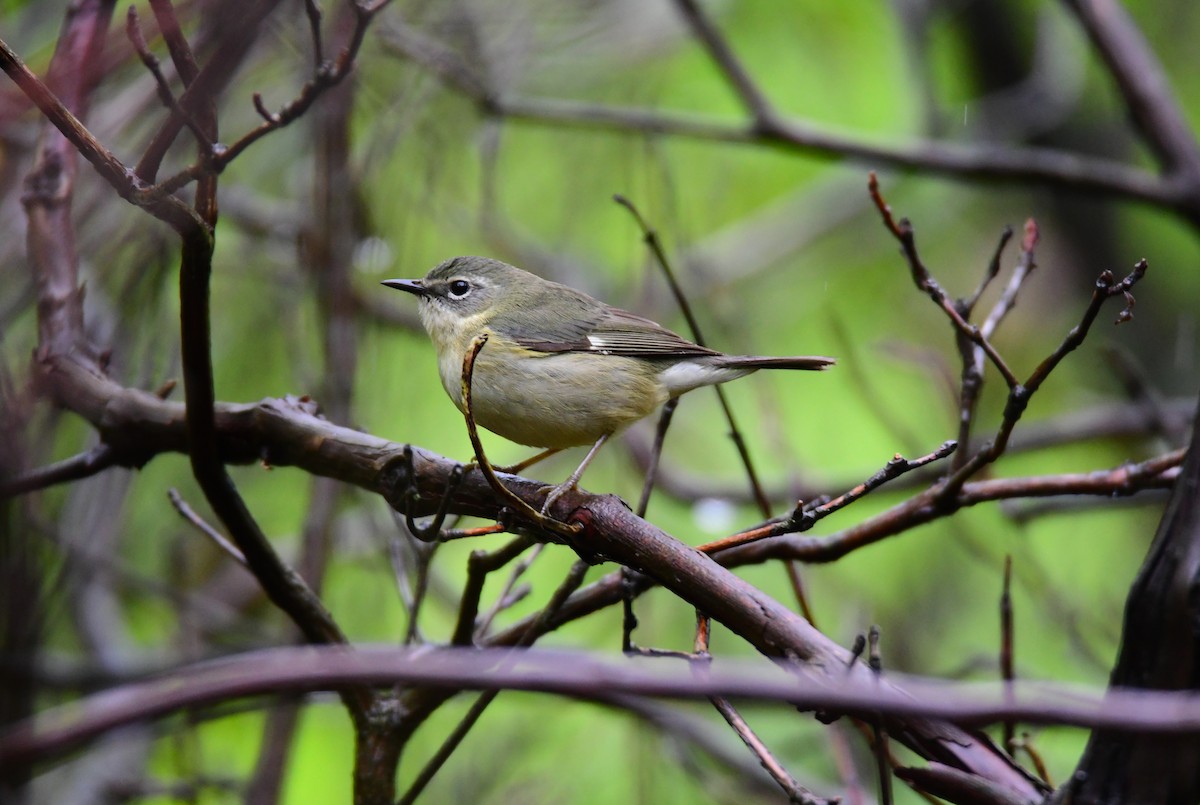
(422, 155)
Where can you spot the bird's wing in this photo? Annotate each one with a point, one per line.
(611, 331)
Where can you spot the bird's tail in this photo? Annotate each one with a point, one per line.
(751, 362)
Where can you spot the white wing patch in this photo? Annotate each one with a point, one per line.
(598, 344)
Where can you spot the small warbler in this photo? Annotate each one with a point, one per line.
(560, 368)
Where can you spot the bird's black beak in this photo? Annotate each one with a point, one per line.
(412, 286)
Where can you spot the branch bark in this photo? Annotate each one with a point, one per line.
(1160, 649)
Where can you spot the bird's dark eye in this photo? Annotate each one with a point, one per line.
(459, 289)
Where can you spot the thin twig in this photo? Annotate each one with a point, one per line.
(1020, 394)
(313, 12)
(479, 565)
(449, 534)
(1128, 479)
(805, 517)
(700, 660)
(903, 231)
(791, 787)
(424, 554)
(133, 32)
(505, 598)
(189, 514)
(1105, 288)
(797, 582)
(1025, 266)
(660, 435)
(517, 504)
(177, 44)
(569, 585)
(972, 377)
(967, 304)
(83, 465)
(735, 73)
(650, 236)
(1006, 649)
(326, 76)
(1025, 744)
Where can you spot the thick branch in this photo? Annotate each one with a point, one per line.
(578, 674)
(1143, 83)
(1160, 649)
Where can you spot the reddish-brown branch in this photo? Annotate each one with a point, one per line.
(177, 44)
(903, 231)
(1158, 473)
(805, 517)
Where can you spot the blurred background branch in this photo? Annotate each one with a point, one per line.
(742, 131)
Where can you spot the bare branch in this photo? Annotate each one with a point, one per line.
(177, 44)
(189, 514)
(570, 584)
(1143, 83)
(280, 670)
(710, 36)
(83, 465)
(1157, 473)
(134, 32)
(805, 517)
(795, 792)
(925, 282)
(1068, 170)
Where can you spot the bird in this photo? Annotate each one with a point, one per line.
(560, 368)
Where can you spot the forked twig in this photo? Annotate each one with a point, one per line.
(479, 565)
(133, 32)
(967, 304)
(509, 593)
(1020, 394)
(805, 517)
(903, 231)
